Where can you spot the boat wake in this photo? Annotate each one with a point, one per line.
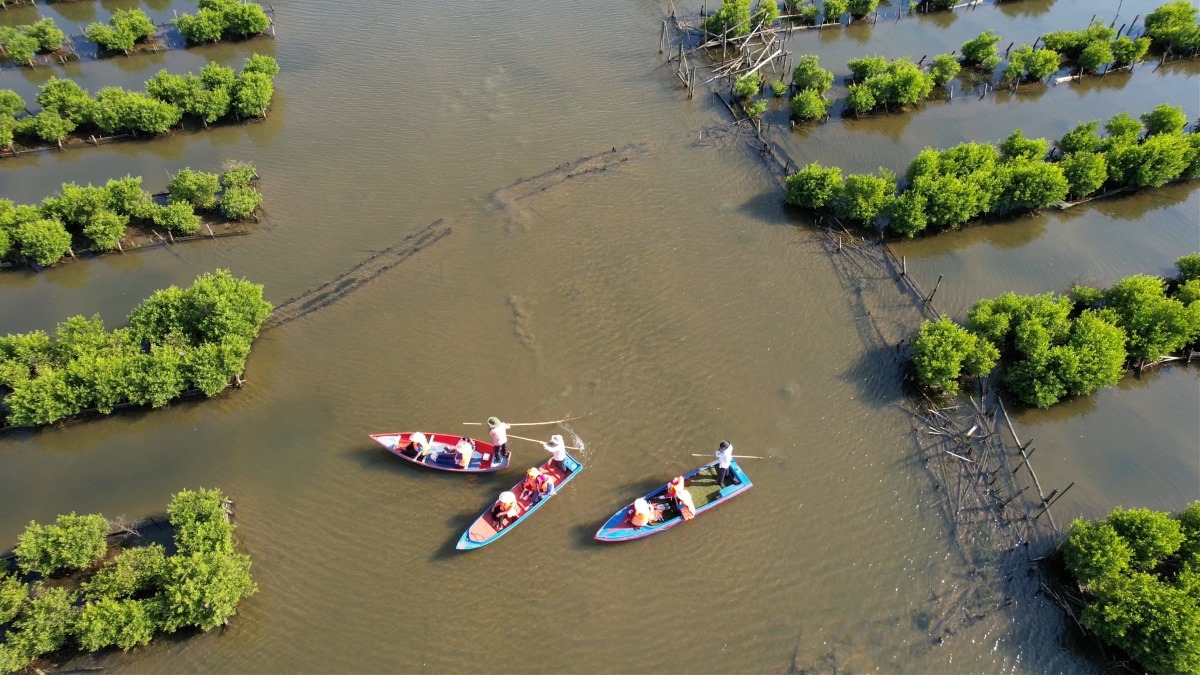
(358, 276)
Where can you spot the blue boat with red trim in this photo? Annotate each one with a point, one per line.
(485, 529)
(701, 484)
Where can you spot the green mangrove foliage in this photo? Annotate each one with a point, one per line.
(1027, 64)
(947, 188)
(732, 19)
(944, 68)
(216, 94)
(124, 29)
(981, 52)
(98, 216)
(21, 43)
(1173, 26)
(811, 82)
(804, 13)
(223, 20)
(1055, 346)
(897, 83)
(858, 197)
(1139, 574)
(128, 600)
(1096, 46)
(177, 340)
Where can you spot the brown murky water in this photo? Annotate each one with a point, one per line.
(671, 298)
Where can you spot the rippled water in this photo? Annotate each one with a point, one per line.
(672, 299)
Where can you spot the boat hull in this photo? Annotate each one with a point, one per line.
(484, 530)
(620, 528)
(445, 458)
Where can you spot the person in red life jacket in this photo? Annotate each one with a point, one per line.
(544, 486)
(643, 513)
(677, 491)
(506, 510)
(499, 432)
(529, 485)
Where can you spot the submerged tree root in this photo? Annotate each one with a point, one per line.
(358, 276)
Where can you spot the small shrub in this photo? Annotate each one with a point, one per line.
(198, 188)
(982, 52)
(944, 68)
(72, 542)
(178, 217)
(814, 186)
(808, 105)
(808, 74)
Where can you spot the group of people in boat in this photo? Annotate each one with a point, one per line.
(540, 483)
(646, 513)
(422, 448)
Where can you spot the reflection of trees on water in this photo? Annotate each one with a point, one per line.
(1091, 84)
(1022, 8)
(1135, 205)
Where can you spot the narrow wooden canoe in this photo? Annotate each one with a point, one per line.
(483, 531)
(443, 455)
(701, 483)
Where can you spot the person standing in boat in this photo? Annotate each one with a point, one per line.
(499, 432)
(558, 452)
(724, 459)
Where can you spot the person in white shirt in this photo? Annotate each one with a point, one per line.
(499, 432)
(724, 459)
(558, 451)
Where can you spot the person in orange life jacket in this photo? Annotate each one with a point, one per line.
(505, 510)
(724, 459)
(683, 499)
(543, 486)
(558, 452)
(643, 513)
(529, 485)
(499, 432)
(466, 450)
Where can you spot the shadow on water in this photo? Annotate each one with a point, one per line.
(457, 525)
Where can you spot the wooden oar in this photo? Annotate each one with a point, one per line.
(695, 454)
(534, 440)
(530, 424)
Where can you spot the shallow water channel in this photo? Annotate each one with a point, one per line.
(671, 298)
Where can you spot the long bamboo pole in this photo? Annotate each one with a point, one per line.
(696, 454)
(531, 424)
(534, 440)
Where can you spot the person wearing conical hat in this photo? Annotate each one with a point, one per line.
(499, 432)
(506, 510)
(558, 452)
(529, 485)
(643, 513)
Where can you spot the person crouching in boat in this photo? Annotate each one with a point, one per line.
(543, 486)
(499, 432)
(683, 499)
(529, 485)
(643, 513)
(418, 445)
(466, 450)
(506, 510)
(558, 452)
